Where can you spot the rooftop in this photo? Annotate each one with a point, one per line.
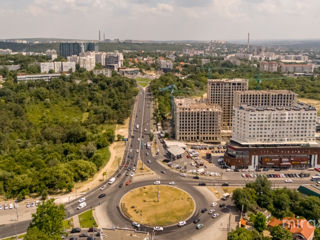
(193, 104)
(296, 107)
(227, 80)
(266, 92)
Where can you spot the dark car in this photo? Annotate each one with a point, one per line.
(196, 177)
(196, 220)
(120, 185)
(76, 230)
(102, 195)
(203, 210)
(119, 175)
(93, 230)
(84, 235)
(225, 184)
(202, 184)
(73, 238)
(222, 205)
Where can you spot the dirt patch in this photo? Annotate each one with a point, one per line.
(215, 192)
(312, 102)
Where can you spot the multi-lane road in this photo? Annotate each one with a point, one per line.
(139, 129)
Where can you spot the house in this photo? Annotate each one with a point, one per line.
(301, 229)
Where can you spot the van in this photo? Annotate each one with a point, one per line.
(112, 180)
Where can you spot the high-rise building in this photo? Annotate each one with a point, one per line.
(68, 49)
(221, 92)
(86, 60)
(197, 121)
(265, 98)
(114, 60)
(57, 67)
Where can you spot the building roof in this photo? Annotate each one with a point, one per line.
(295, 107)
(266, 92)
(226, 80)
(295, 226)
(175, 143)
(190, 104)
(175, 150)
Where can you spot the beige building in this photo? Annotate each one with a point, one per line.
(297, 68)
(264, 98)
(197, 121)
(294, 124)
(269, 66)
(221, 92)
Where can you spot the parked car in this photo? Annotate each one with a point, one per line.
(157, 228)
(102, 195)
(196, 220)
(135, 224)
(203, 210)
(182, 223)
(172, 183)
(202, 184)
(199, 226)
(76, 230)
(82, 199)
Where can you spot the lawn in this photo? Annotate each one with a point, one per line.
(68, 224)
(141, 205)
(143, 82)
(15, 238)
(86, 220)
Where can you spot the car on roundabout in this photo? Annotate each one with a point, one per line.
(196, 220)
(135, 224)
(156, 182)
(182, 223)
(172, 183)
(158, 228)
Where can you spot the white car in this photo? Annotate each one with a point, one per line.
(211, 211)
(137, 150)
(111, 180)
(102, 187)
(82, 205)
(183, 175)
(156, 182)
(82, 199)
(10, 206)
(0, 206)
(32, 204)
(157, 228)
(288, 181)
(37, 202)
(215, 215)
(172, 183)
(28, 205)
(131, 174)
(182, 223)
(213, 204)
(135, 224)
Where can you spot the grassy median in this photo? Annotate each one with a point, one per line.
(142, 205)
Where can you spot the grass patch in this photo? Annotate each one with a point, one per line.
(143, 82)
(68, 224)
(141, 205)
(86, 220)
(145, 168)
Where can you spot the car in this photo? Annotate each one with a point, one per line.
(131, 174)
(0, 206)
(92, 229)
(37, 202)
(111, 180)
(147, 154)
(32, 205)
(172, 183)
(288, 180)
(215, 215)
(120, 185)
(119, 175)
(163, 172)
(28, 205)
(211, 211)
(196, 220)
(183, 175)
(213, 204)
(202, 184)
(127, 173)
(137, 150)
(203, 210)
(75, 230)
(225, 184)
(157, 182)
(102, 195)
(5, 207)
(222, 205)
(182, 223)
(103, 187)
(127, 182)
(82, 199)
(148, 161)
(135, 224)
(199, 226)
(196, 177)
(82, 205)
(157, 228)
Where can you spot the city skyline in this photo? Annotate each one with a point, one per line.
(160, 20)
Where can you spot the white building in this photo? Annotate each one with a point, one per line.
(5, 51)
(114, 60)
(274, 125)
(166, 65)
(269, 66)
(52, 53)
(297, 68)
(86, 60)
(57, 67)
(101, 58)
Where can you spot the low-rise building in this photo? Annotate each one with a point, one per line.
(166, 65)
(297, 68)
(105, 72)
(129, 72)
(269, 66)
(197, 121)
(36, 77)
(57, 67)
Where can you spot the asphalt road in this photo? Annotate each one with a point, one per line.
(139, 130)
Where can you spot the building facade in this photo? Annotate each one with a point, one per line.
(221, 92)
(269, 66)
(68, 49)
(57, 67)
(114, 60)
(265, 98)
(297, 68)
(197, 121)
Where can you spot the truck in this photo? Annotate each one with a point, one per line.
(111, 180)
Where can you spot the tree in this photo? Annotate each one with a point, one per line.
(244, 199)
(316, 234)
(47, 220)
(260, 222)
(240, 234)
(280, 233)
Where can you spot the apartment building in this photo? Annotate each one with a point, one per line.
(57, 67)
(268, 66)
(166, 65)
(75, 48)
(197, 121)
(86, 60)
(297, 68)
(264, 98)
(221, 92)
(294, 124)
(114, 60)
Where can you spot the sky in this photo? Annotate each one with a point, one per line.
(160, 19)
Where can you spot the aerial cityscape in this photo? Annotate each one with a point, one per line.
(167, 119)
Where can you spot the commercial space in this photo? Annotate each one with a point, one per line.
(272, 156)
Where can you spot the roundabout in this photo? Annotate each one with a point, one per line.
(157, 205)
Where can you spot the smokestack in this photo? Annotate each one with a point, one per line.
(248, 43)
(99, 35)
(104, 37)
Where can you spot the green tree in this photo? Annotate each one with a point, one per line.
(280, 233)
(240, 234)
(260, 222)
(244, 199)
(47, 220)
